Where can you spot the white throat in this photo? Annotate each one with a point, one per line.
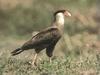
(60, 19)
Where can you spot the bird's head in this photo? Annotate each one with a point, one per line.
(61, 13)
(59, 16)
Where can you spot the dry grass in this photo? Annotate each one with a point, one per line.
(78, 53)
(75, 56)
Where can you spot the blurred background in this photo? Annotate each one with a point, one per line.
(19, 19)
(22, 17)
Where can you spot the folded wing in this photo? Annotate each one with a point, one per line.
(43, 39)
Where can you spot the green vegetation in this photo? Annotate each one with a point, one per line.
(77, 53)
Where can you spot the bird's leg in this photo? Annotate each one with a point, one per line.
(50, 60)
(34, 59)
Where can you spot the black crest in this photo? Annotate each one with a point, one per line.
(62, 11)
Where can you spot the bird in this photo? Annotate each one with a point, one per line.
(47, 38)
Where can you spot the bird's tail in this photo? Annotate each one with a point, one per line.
(16, 51)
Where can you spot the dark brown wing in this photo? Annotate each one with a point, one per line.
(43, 39)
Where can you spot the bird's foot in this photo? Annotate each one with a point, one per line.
(32, 63)
(50, 60)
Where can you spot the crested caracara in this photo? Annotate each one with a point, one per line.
(47, 38)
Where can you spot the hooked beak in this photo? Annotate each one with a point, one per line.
(66, 13)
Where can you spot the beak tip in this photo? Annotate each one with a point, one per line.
(69, 14)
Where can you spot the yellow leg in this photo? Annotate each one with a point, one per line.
(50, 59)
(34, 59)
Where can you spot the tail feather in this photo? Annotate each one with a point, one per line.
(16, 51)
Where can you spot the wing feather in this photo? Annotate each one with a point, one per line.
(43, 38)
(47, 35)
